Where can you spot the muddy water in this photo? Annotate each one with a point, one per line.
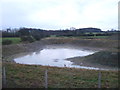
(54, 57)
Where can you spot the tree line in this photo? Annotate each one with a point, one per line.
(37, 34)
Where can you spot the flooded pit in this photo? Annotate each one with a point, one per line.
(55, 57)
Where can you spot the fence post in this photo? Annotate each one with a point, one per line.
(46, 79)
(99, 79)
(4, 78)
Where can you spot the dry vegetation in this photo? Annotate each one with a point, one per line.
(27, 76)
(32, 76)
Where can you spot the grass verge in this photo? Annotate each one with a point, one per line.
(15, 40)
(32, 76)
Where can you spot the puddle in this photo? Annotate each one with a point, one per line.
(54, 57)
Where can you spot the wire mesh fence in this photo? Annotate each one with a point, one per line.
(52, 78)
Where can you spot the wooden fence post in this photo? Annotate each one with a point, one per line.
(4, 78)
(99, 79)
(46, 79)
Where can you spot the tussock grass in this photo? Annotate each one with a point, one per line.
(108, 59)
(32, 76)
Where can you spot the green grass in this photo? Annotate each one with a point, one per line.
(93, 37)
(32, 76)
(15, 40)
(86, 37)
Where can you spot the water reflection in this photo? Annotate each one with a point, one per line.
(54, 57)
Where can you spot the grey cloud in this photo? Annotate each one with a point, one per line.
(17, 12)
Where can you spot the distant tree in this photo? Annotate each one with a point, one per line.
(10, 34)
(72, 28)
(8, 29)
(24, 32)
(38, 34)
(27, 38)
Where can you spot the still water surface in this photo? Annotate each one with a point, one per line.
(54, 57)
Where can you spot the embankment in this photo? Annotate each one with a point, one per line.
(104, 58)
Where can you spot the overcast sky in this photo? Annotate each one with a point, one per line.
(59, 14)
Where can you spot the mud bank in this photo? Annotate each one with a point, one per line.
(11, 51)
